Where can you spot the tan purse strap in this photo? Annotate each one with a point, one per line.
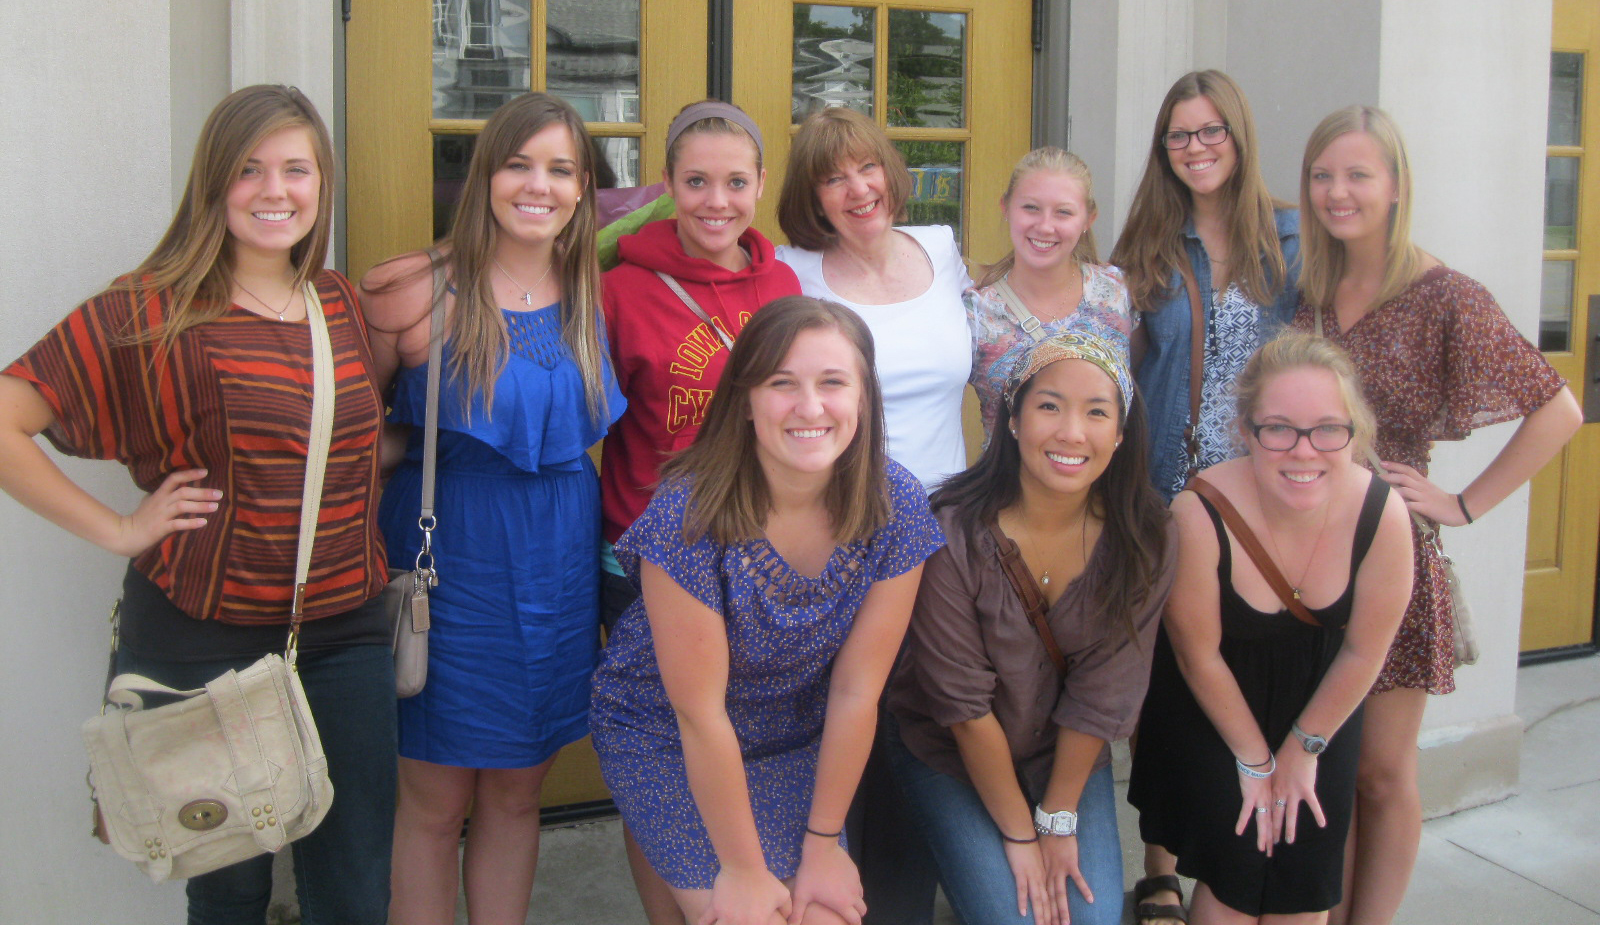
(1197, 357)
(321, 435)
(687, 299)
(1253, 548)
(1018, 310)
(1033, 602)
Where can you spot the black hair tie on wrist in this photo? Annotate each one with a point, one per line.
(1461, 501)
(811, 831)
(1020, 841)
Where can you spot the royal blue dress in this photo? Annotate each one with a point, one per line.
(516, 613)
(784, 630)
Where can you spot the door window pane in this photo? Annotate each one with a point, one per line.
(1560, 203)
(833, 58)
(1566, 98)
(936, 171)
(592, 49)
(481, 55)
(926, 53)
(1555, 306)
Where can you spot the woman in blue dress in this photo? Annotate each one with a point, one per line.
(778, 562)
(525, 390)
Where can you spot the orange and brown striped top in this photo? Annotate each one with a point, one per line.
(233, 396)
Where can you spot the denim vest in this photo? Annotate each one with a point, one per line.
(1164, 372)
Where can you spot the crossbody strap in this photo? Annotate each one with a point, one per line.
(1197, 357)
(1033, 602)
(322, 397)
(1018, 310)
(694, 306)
(1253, 548)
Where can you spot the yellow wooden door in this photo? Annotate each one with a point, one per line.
(950, 81)
(1558, 608)
(423, 76)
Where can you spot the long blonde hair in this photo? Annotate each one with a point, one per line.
(476, 329)
(1151, 249)
(192, 261)
(1055, 160)
(1322, 254)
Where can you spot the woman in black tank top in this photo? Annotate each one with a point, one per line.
(1250, 733)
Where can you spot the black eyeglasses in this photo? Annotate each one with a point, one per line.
(1325, 438)
(1210, 135)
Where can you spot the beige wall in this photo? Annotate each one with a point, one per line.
(1478, 206)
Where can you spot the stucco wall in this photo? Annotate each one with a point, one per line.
(86, 178)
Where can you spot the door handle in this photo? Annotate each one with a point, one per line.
(1591, 366)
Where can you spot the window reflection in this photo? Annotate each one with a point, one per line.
(480, 55)
(936, 172)
(926, 53)
(592, 49)
(1555, 306)
(1566, 98)
(833, 58)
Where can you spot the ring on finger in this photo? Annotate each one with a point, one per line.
(1280, 803)
(1261, 809)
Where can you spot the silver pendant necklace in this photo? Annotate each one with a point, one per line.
(527, 291)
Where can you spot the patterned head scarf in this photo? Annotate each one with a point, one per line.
(1073, 345)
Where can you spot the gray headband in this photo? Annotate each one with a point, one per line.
(714, 109)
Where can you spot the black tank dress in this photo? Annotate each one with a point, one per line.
(1184, 782)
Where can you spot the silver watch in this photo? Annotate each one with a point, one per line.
(1063, 823)
(1314, 745)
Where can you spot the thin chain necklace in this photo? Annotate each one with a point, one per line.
(527, 291)
(1310, 558)
(1083, 546)
(276, 311)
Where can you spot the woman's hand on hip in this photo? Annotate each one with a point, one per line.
(1422, 496)
(174, 506)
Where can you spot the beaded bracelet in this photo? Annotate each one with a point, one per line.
(1020, 841)
(1252, 773)
(1462, 502)
(811, 831)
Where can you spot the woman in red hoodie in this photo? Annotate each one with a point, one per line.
(683, 291)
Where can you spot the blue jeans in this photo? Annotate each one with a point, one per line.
(971, 856)
(342, 868)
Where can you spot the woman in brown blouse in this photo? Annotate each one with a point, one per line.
(194, 371)
(1437, 359)
(1003, 723)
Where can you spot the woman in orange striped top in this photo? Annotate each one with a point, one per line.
(194, 371)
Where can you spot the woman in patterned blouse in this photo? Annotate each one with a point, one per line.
(194, 371)
(1437, 359)
(1051, 281)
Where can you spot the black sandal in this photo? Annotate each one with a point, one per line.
(1148, 911)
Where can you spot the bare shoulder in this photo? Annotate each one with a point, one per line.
(405, 274)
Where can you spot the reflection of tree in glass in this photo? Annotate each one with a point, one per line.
(833, 52)
(925, 59)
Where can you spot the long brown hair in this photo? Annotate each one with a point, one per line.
(192, 260)
(1322, 255)
(730, 498)
(1054, 160)
(828, 137)
(1150, 249)
(1134, 518)
(476, 329)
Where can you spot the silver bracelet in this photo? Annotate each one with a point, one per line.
(1247, 771)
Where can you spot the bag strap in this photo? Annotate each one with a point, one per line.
(322, 398)
(694, 306)
(426, 521)
(1253, 548)
(1197, 356)
(1018, 310)
(1033, 602)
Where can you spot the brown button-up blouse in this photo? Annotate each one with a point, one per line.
(971, 650)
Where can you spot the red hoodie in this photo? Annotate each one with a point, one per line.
(666, 359)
